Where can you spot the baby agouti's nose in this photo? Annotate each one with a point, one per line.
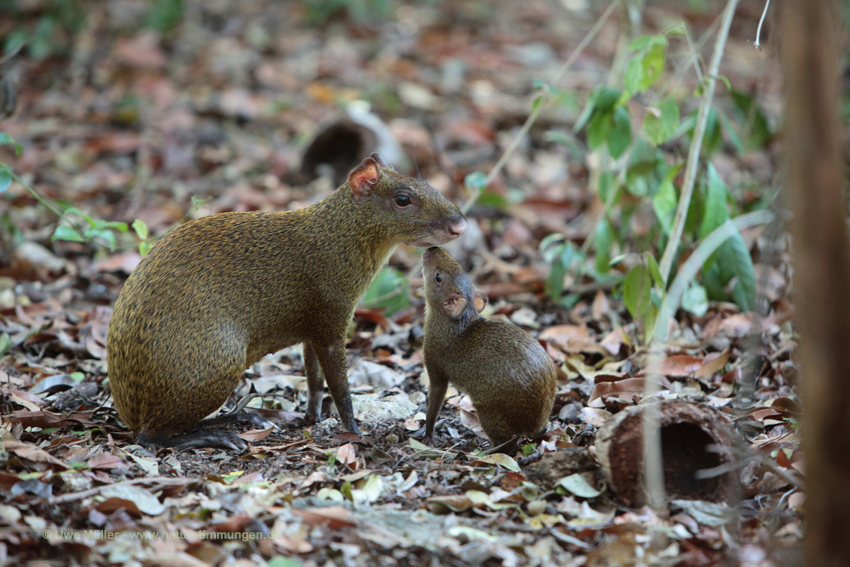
(457, 226)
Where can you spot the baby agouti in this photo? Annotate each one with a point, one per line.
(218, 293)
(507, 374)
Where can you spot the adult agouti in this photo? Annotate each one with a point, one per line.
(218, 293)
(507, 374)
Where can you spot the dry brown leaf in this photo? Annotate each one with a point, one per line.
(33, 454)
(334, 517)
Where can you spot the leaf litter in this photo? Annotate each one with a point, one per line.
(71, 475)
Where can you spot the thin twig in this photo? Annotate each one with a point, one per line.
(757, 44)
(532, 117)
(696, 145)
(164, 481)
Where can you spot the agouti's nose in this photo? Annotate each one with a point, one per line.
(457, 226)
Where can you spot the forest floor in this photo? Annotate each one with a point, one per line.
(131, 123)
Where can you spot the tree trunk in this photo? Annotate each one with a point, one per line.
(821, 259)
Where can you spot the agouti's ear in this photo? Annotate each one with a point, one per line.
(365, 176)
(479, 300)
(454, 306)
(378, 159)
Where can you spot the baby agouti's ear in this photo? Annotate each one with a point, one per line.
(365, 176)
(455, 305)
(479, 300)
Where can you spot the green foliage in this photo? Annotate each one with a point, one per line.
(731, 263)
(50, 34)
(165, 15)
(388, 291)
(97, 230)
(559, 253)
(640, 176)
(320, 12)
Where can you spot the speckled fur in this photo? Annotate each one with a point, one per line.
(220, 292)
(507, 374)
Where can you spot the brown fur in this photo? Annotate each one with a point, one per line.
(507, 374)
(220, 292)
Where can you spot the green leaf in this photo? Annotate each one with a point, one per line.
(5, 343)
(475, 181)
(546, 245)
(145, 247)
(639, 43)
(598, 128)
(5, 179)
(63, 232)
(633, 77)
(733, 136)
(654, 271)
(756, 128)
(660, 124)
(604, 236)
(492, 199)
(7, 139)
(140, 228)
(664, 203)
(542, 85)
(643, 160)
(576, 484)
(653, 66)
(103, 234)
(620, 135)
(717, 195)
(712, 138)
(636, 291)
(554, 284)
(283, 561)
(165, 15)
(650, 321)
(732, 261)
(607, 98)
(388, 291)
(695, 300)
(119, 226)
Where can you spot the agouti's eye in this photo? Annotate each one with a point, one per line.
(402, 200)
(438, 278)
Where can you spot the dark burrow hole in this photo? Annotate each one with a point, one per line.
(683, 447)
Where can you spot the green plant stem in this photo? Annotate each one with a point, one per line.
(37, 196)
(46, 203)
(653, 471)
(535, 112)
(696, 144)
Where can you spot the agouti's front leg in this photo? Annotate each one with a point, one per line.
(438, 384)
(330, 361)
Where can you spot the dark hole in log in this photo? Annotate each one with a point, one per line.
(686, 430)
(341, 146)
(683, 448)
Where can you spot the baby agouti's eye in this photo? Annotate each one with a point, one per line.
(402, 200)
(438, 278)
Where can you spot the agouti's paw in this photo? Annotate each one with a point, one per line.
(227, 440)
(421, 435)
(250, 419)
